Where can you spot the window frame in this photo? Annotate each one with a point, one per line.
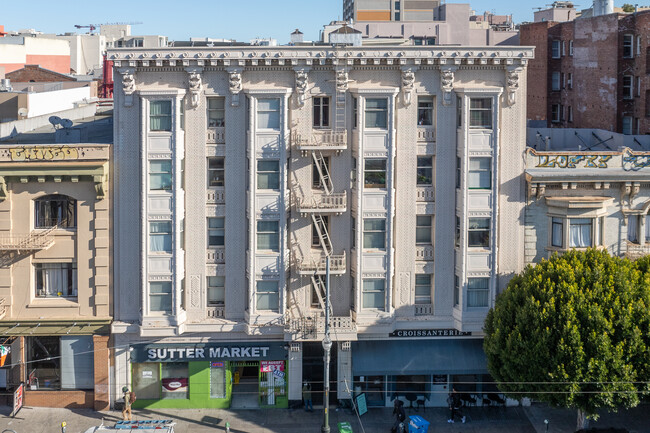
(216, 231)
(423, 299)
(480, 290)
(219, 122)
(272, 177)
(484, 123)
(628, 86)
(321, 112)
(628, 46)
(590, 224)
(425, 113)
(555, 81)
(370, 173)
(478, 171)
(424, 171)
(161, 294)
(272, 235)
(66, 203)
(626, 130)
(315, 239)
(555, 113)
(374, 292)
(555, 49)
(263, 112)
(213, 172)
(484, 241)
(424, 224)
(371, 235)
(71, 271)
(166, 177)
(315, 176)
(167, 236)
(270, 292)
(557, 222)
(571, 47)
(161, 116)
(379, 113)
(219, 287)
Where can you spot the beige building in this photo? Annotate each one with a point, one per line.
(55, 255)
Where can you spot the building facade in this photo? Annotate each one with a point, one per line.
(390, 10)
(590, 73)
(242, 171)
(55, 253)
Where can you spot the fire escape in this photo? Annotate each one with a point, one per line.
(320, 208)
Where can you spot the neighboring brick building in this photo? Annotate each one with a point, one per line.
(589, 73)
(36, 74)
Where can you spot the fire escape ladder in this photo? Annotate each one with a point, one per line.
(323, 172)
(339, 112)
(323, 235)
(319, 288)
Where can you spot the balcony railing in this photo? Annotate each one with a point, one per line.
(324, 203)
(215, 255)
(426, 133)
(423, 309)
(215, 136)
(310, 266)
(34, 241)
(3, 307)
(216, 312)
(424, 253)
(425, 194)
(313, 326)
(215, 196)
(321, 140)
(635, 251)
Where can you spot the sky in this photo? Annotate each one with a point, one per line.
(241, 20)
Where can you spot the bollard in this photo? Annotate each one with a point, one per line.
(227, 427)
(63, 424)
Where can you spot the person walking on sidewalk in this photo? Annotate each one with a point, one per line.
(126, 412)
(454, 402)
(306, 396)
(400, 416)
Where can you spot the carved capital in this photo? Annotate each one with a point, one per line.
(3, 188)
(512, 84)
(234, 84)
(447, 83)
(302, 81)
(342, 80)
(128, 84)
(195, 85)
(99, 181)
(408, 80)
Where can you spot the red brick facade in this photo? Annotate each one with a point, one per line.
(36, 74)
(577, 77)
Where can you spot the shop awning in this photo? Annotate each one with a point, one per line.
(458, 356)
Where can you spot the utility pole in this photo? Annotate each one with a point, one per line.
(327, 345)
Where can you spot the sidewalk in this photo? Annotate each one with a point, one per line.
(485, 420)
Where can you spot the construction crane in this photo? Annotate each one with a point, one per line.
(93, 27)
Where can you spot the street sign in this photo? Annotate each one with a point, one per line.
(18, 398)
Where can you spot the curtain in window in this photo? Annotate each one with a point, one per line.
(160, 113)
(160, 236)
(477, 292)
(557, 234)
(580, 232)
(56, 279)
(77, 362)
(632, 221)
(267, 295)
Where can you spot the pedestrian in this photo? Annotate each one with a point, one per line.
(400, 416)
(128, 399)
(306, 397)
(454, 402)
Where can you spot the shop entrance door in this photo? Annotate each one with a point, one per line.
(439, 391)
(245, 384)
(312, 371)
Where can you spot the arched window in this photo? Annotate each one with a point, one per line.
(55, 210)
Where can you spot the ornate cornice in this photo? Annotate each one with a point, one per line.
(246, 56)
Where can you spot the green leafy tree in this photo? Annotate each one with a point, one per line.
(627, 8)
(574, 331)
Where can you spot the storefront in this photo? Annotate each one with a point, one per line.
(209, 375)
(415, 367)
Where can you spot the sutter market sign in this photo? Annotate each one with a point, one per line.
(409, 333)
(207, 352)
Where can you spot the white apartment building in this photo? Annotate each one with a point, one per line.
(240, 170)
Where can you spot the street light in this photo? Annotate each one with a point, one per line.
(327, 346)
(546, 422)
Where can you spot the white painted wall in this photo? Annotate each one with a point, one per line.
(50, 102)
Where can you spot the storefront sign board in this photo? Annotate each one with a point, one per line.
(18, 399)
(415, 333)
(362, 406)
(207, 352)
(269, 366)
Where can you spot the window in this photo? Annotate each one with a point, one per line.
(160, 296)
(632, 228)
(216, 291)
(557, 232)
(571, 47)
(459, 112)
(216, 232)
(480, 113)
(267, 296)
(562, 112)
(628, 46)
(456, 290)
(480, 173)
(478, 290)
(638, 45)
(160, 116)
(138, 43)
(423, 289)
(423, 229)
(268, 174)
(216, 172)
(268, 113)
(160, 236)
(56, 280)
(60, 363)
(397, 17)
(315, 238)
(457, 233)
(353, 231)
(316, 178)
(627, 125)
(637, 126)
(174, 380)
(458, 172)
(647, 103)
(563, 49)
(570, 80)
(317, 289)
(373, 293)
(217, 380)
(627, 87)
(580, 232)
(216, 112)
(570, 115)
(425, 111)
(555, 49)
(374, 234)
(321, 116)
(478, 232)
(268, 235)
(637, 80)
(555, 81)
(555, 113)
(377, 113)
(160, 175)
(374, 173)
(425, 171)
(355, 112)
(55, 210)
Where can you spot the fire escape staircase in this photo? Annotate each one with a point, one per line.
(34, 241)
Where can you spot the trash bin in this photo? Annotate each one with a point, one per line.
(345, 427)
(417, 424)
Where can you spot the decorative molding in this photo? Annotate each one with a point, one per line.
(302, 79)
(342, 80)
(234, 85)
(447, 83)
(128, 84)
(195, 85)
(3, 188)
(512, 83)
(408, 81)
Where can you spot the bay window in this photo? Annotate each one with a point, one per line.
(580, 231)
(478, 232)
(480, 173)
(160, 296)
(374, 173)
(267, 296)
(160, 116)
(373, 293)
(478, 290)
(423, 288)
(268, 235)
(268, 174)
(374, 233)
(160, 175)
(160, 236)
(268, 113)
(480, 113)
(216, 291)
(377, 113)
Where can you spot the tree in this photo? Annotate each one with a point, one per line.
(628, 8)
(574, 331)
